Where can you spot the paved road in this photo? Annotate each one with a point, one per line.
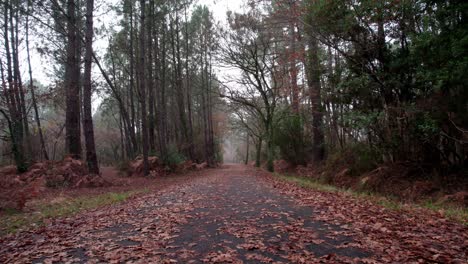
(224, 215)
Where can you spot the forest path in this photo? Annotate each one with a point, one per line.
(223, 215)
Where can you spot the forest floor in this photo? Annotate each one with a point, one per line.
(238, 214)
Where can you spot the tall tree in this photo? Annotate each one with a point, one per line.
(14, 116)
(250, 48)
(150, 77)
(88, 128)
(142, 88)
(313, 80)
(72, 81)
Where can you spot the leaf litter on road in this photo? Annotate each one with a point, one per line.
(237, 214)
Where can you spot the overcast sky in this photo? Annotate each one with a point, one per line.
(42, 66)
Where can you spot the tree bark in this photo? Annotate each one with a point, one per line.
(177, 81)
(141, 72)
(15, 125)
(247, 151)
(293, 67)
(150, 79)
(22, 114)
(132, 80)
(162, 98)
(258, 154)
(313, 80)
(91, 157)
(188, 89)
(72, 76)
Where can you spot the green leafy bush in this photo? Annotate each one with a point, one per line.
(174, 157)
(359, 158)
(289, 136)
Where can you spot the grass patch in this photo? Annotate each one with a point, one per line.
(456, 213)
(390, 204)
(13, 220)
(307, 183)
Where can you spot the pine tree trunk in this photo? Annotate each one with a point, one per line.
(188, 91)
(141, 72)
(18, 81)
(150, 79)
(15, 125)
(177, 81)
(162, 99)
(72, 75)
(293, 68)
(212, 160)
(91, 157)
(132, 71)
(313, 79)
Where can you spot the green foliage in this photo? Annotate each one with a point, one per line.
(401, 83)
(308, 183)
(290, 138)
(153, 153)
(362, 120)
(218, 151)
(425, 127)
(358, 158)
(174, 157)
(16, 220)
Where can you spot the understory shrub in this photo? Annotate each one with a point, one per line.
(358, 158)
(174, 157)
(291, 140)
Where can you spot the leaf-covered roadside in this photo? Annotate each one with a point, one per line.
(237, 214)
(14, 221)
(66, 202)
(451, 211)
(403, 236)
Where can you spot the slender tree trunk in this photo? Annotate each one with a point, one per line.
(188, 90)
(258, 154)
(162, 98)
(247, 151)
(132, 71)
(293, 67)
(179, 93)
(16, 147)
(31, 87)
(131, 142)
(269, 145)
(204, 84)
(141, 72)
(210, 116)
(91, 157)
(72, 75)
(122, 138)
(150, 79)
(18, 81)
(15, 125)
(313, 79)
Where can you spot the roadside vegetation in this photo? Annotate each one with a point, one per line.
(450, 210)
(43, 211)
